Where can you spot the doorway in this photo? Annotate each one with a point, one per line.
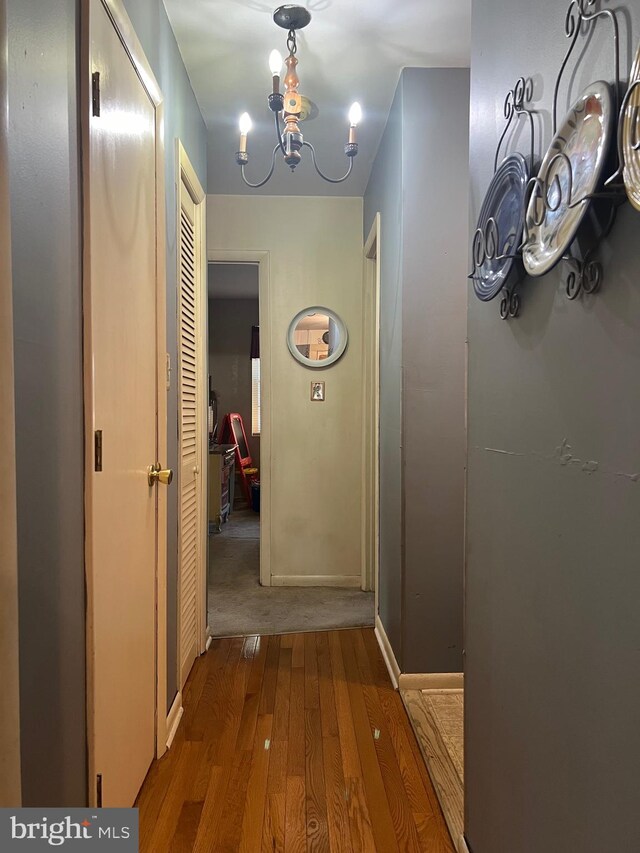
(235, 433)
(125, 405)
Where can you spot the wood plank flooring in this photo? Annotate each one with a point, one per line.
(292, 743)
(437, 718)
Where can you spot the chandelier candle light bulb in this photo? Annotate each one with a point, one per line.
(245, 127)
(355, 117)
(275, 66)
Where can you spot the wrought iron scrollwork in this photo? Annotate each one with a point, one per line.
(514, 108)
(488, 244)
(485, 246)
(509, 304)
(548, 195)
(583, 276)
(556, 188)
(585, 12)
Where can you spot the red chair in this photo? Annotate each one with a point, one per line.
(233, 433)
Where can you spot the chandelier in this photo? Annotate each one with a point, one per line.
(292, 107)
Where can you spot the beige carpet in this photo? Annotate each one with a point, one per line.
(238, 605)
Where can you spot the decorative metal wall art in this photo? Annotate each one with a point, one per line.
(571, 175)
(584, 12)
(568, 179)
(496, 243)
(569, 206)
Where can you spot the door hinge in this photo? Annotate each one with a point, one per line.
(99, 790)
(168, 371)
(98, 450)
(95, 93)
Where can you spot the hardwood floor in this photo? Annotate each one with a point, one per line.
(437, 718)
(292, 743)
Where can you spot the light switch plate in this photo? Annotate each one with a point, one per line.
(317, 392)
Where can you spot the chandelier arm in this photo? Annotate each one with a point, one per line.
(321, 173)
(271, 170)
(279, 135)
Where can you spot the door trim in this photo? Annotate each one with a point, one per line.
(371, 418)
(230, 256)
(124, 28)
(10, 782)
(187, 174)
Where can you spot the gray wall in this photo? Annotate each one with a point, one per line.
(552, 740)
(230, 322)
(183, 121)
(423, 198)
(436, 199)
(46, 240)
(45, 212)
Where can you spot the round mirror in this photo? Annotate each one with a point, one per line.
(317, 337)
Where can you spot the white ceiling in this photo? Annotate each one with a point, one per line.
(351, 50)
(233, 281)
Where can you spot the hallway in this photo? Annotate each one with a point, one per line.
(295, 742)
(238, 605)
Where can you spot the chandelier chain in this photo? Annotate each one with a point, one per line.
(292, 44)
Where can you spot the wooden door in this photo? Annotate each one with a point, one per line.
(190, 524)
(121, 364)
(10, 698)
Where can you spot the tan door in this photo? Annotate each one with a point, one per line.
(9, 698)
(120, 187)
(190, 521)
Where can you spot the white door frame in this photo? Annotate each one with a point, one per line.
(187, 174)
(123, 26)
(371, 413)
(10, 794)
(261, 258)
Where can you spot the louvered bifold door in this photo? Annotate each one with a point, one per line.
(189, 510)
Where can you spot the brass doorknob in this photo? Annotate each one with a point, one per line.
(157, 474)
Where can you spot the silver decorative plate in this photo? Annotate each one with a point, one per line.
(570, 173)
(631, 137)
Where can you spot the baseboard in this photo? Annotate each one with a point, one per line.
(173, 718)
(345, 581)
(387, 652)
(431, 681)
(209, 639)
(461, 846)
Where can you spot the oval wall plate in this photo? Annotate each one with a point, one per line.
(631, 137)
(503, 204)
(571, 172)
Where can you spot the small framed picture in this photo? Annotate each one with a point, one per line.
(317, 391)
